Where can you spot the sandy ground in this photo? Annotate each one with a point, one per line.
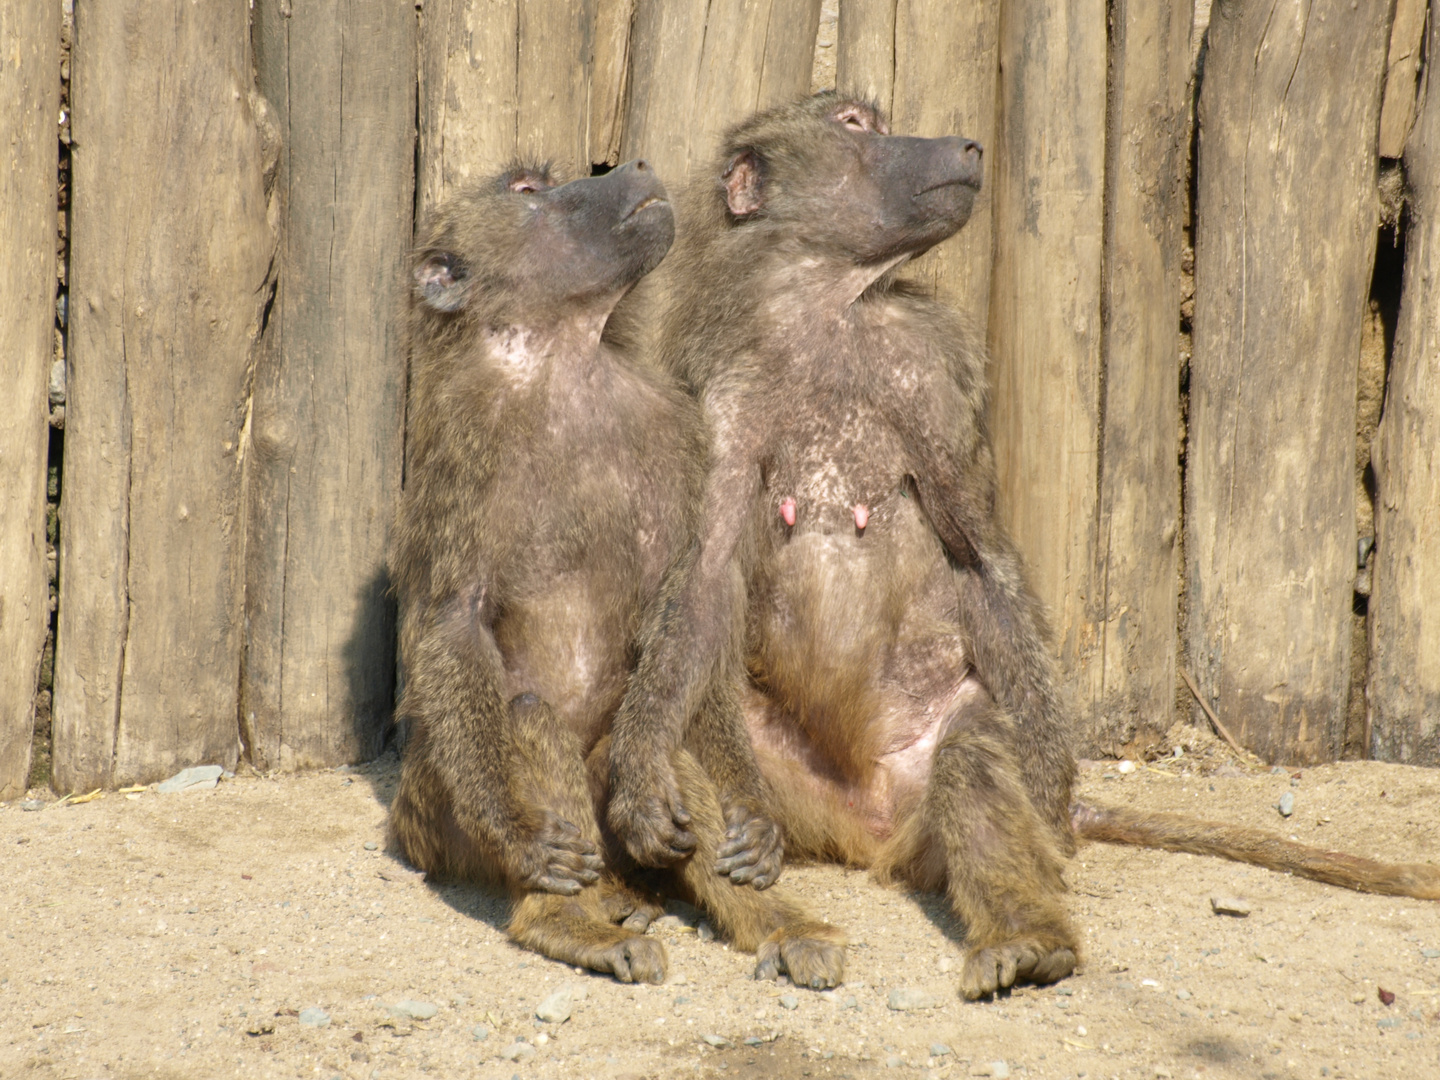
(183, 935)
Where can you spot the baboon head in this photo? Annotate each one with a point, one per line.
(827, 172)
(526, 243)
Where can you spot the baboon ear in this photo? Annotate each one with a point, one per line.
(440, 281)
(743, 184)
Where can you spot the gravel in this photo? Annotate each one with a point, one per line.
(909, 999)
(556, 1008)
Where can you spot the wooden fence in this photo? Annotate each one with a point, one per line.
(1174, 260)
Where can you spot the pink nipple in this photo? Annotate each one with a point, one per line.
(862, 516)
(787, 512)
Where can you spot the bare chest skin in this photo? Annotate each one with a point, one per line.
(854, 637)
(590, 534)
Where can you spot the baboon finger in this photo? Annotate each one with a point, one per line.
(752, 853)
(560, 886)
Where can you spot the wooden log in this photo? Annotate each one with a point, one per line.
(30, 87)
(696, 69)
(513, 79)
(1126, 683)
(170, 258)
(1397, 109)
(326, 436)
(1045, 326)
(932, 68)
(1404, 686)
(1285, 239)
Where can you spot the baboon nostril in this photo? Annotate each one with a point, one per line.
(641, 164)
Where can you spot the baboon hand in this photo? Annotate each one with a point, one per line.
(560, 859)
(753, 851)
(650, 818)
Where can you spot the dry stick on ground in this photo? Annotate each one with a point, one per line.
(1219, 727)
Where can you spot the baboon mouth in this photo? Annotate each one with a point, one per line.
(645, 204)
(958, 181)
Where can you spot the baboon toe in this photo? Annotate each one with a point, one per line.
(813, 957)
(637, 959)
(753, 852)
(1000, 966)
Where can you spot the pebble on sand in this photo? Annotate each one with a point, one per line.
(939, 1049)
(996, 1069)
(909, 999)
(518, 1051)
(717, 1041)
(1229, 905)
(1286, 805)
(789, 1001)
(414, 1010)
(556, 1008)
(314, 1017)
(195, 778)
(479, 1033)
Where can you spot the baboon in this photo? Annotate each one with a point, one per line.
(851, 578)
(553, 479)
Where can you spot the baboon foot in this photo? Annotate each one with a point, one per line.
(812, 954)
(1035, 959)
(635, 959)
(752, 852)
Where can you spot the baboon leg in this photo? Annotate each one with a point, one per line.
(977, 835)
(581, 930)
(784, 937)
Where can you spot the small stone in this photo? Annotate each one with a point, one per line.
(261, 1027)
(894, 1061)
(314, 1017)
(195, 778)
(851, 1002)
(371, 845)
(479, 1033)
(1286, 805)
(909, 999)
(32, 805)
(1359, 997)
(939, 1049)
(1183, 995)
(1126, 767)
(753, 1040)
(717, 1041)
(414, 1010)
(1430, 954)
(518, 1052)
(997, 1069)
(541, 1039)
(682, 1000)
(947, 964)
(1162, 1073)
(556, 1008)
(789, 1001)
(1389, 1022)
(705, 932)
(1229, 905)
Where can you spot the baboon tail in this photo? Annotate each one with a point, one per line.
(1177, 832)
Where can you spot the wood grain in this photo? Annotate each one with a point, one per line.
(30, 87)
(171, 256)
(1286, 225)
(326, 436)
(1404, 686)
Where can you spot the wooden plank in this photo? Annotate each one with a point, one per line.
(169, 276)
(932, 68)
(1126, 683)
(1404, 688)
(326, 435)
(1045, 329)
(505, 79)
(1286, 222)
(696, 69)
(1397, 110)
(30, 86)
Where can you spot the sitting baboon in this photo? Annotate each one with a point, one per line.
(894, 674)
(552, 481)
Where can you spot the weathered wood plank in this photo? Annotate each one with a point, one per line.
(503, 80)
(1404, 688)
(170, 256)
(696, 69)
(326, 435)
(932, 68)
(1286, 222)
(1397, 109)
(30, 87)
(1045, 327)
(1127, 682)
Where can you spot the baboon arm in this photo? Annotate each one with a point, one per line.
(691, 629)
(1003, 622)
(494, 758)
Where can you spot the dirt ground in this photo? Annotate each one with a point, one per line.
(184, 935)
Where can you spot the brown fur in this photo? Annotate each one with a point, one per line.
(553, 480)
